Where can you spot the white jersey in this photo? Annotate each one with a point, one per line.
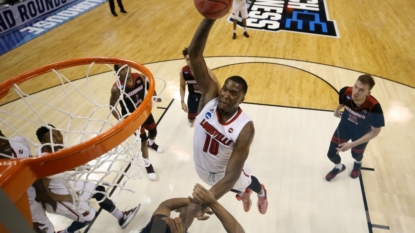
(21, 149)
(59, 185)
(214, 141)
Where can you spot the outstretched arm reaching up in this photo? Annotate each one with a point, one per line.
(201, 72)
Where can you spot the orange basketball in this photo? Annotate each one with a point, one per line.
(213, 9)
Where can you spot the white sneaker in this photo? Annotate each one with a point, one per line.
(155, 147)
(151, 174)
(128, 216)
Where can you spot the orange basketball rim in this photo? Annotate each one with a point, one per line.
(16, 175)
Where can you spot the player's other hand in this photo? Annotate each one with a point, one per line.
(184, 107)
(203, 195)
(337, 113)
(36, 227)
(344, 147)
(46, 199)
(204, 213)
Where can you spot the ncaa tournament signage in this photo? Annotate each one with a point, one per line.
(26, 11)
(301, 16)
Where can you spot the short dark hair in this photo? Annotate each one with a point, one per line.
(367, 79)
(159, 225)
(42, 131)
(116, 67)
(241, 81)
(185, 52)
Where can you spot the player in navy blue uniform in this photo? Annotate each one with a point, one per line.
(360, 122)
(193, 99)
(133, 95)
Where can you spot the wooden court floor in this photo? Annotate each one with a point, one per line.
(284, 69)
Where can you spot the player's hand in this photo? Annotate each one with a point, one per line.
(184, 107)
(344, 147)
(202, 214)
(36, 227)
(337, 113)
(203, 195)
(46, 199)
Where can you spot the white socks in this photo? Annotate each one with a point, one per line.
(117, 213)
(339, 166)
(150, 142)
(262, 195)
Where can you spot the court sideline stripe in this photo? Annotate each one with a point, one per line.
(122, 176)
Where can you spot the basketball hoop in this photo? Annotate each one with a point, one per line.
(16, 175)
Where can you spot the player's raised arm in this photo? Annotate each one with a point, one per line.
(115, 95)
(200, 71)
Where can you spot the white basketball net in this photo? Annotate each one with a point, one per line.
(80, 110)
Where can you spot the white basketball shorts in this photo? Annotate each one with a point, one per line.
(239, 6)
(212, 178)
(39, 216)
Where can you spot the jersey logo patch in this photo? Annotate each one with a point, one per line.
(208, 115)
(230, 130)
(348, 97)
(20, 151)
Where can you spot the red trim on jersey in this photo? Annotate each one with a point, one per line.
(134, 75)
(231, 120)
(187, 68)
(369, 103)
(71, 210)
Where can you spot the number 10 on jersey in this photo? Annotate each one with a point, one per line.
(211, 144)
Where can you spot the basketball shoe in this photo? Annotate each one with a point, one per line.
(246, 34)
(263, 201)
(333, 173)
(155, 147)
(151, 174)
(234, 36)
(128, 216)
(356, 170)
(246, 199)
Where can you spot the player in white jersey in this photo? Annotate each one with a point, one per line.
(18, 147)
(223, 133)
(83, 213)
(239, 7)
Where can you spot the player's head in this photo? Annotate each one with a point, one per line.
(232, 93)
(165, 225)
(124, 71)
(186, 56)
(49, 135)
(362, 87)
(5, 147)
